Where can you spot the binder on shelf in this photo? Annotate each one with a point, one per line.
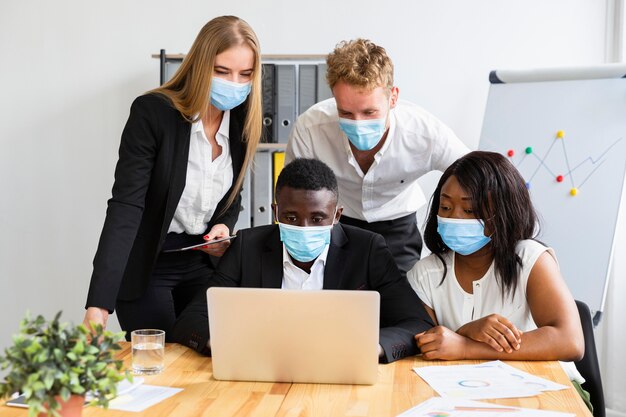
(307, 87)
(269, 108)
(278, 158)
(323, 90)
(262, 192)
(244, 220)
(285, 101)
(170, 69)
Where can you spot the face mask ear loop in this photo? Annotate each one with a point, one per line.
(276, 213)
(388, 118)
(484, 222)
(335, 220)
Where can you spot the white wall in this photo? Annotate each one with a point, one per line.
(71, 69)
(610, 335)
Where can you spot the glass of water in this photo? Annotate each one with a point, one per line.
(148, 351)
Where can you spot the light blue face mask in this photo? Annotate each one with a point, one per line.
(226, 95)
(464, 236)
(363, 134)
(304, 244)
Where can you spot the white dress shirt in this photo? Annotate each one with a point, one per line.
(207, 181)
(295, 278)
(416, 144)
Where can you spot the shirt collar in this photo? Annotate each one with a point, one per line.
(225, 125)
(198, 126)
(390, 133)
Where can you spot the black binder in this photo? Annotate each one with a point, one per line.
(269, 103)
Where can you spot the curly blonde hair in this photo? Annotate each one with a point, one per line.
(360, 63)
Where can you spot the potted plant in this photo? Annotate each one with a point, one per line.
(54, 365)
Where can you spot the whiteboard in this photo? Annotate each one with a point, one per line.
(567, 138)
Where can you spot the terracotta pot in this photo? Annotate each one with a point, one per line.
(70, 408)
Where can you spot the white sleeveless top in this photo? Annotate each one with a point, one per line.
(454, 307)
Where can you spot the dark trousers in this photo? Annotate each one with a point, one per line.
(177, 277)
(402, 237)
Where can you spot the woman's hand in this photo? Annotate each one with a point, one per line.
(440, 342)
(96, 315)
(494, 330)
(217, 232)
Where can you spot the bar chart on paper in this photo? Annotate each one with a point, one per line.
(567, 137)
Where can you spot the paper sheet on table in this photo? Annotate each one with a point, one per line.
(123, 387)
(475, 382)
(447, 407)
(530, 380)
(140, 397)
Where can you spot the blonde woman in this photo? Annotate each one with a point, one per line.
(182, 159)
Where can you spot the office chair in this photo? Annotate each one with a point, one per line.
(588, 365)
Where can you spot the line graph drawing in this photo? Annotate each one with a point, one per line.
(575, 186)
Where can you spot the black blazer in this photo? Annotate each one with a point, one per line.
(149, 180)
(357, 260)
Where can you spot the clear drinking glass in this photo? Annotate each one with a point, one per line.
(148, 351)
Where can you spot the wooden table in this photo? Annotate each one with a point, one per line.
(398, 389)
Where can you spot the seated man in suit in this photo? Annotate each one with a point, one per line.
(309, 249)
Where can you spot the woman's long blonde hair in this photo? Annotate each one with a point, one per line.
(190, 86)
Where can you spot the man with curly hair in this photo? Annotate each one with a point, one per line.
(378, 146)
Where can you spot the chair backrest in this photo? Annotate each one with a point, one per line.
(588, 365)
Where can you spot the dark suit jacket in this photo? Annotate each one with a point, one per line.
(149, 181)
(357, 260)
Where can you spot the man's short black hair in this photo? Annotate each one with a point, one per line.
(307, 174)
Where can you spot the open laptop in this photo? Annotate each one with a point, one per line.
(325, 336)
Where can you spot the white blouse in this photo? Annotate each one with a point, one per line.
(207, 182)
(454, 307)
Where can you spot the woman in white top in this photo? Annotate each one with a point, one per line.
(494, 292)
(182, 159)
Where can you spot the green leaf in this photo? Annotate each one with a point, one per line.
(41, 357)
(79, 348)
(65, 393)
(99, 367)
(32, 348)
(48, 381)
(77, 389)
(64, 379)
(58, 354)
